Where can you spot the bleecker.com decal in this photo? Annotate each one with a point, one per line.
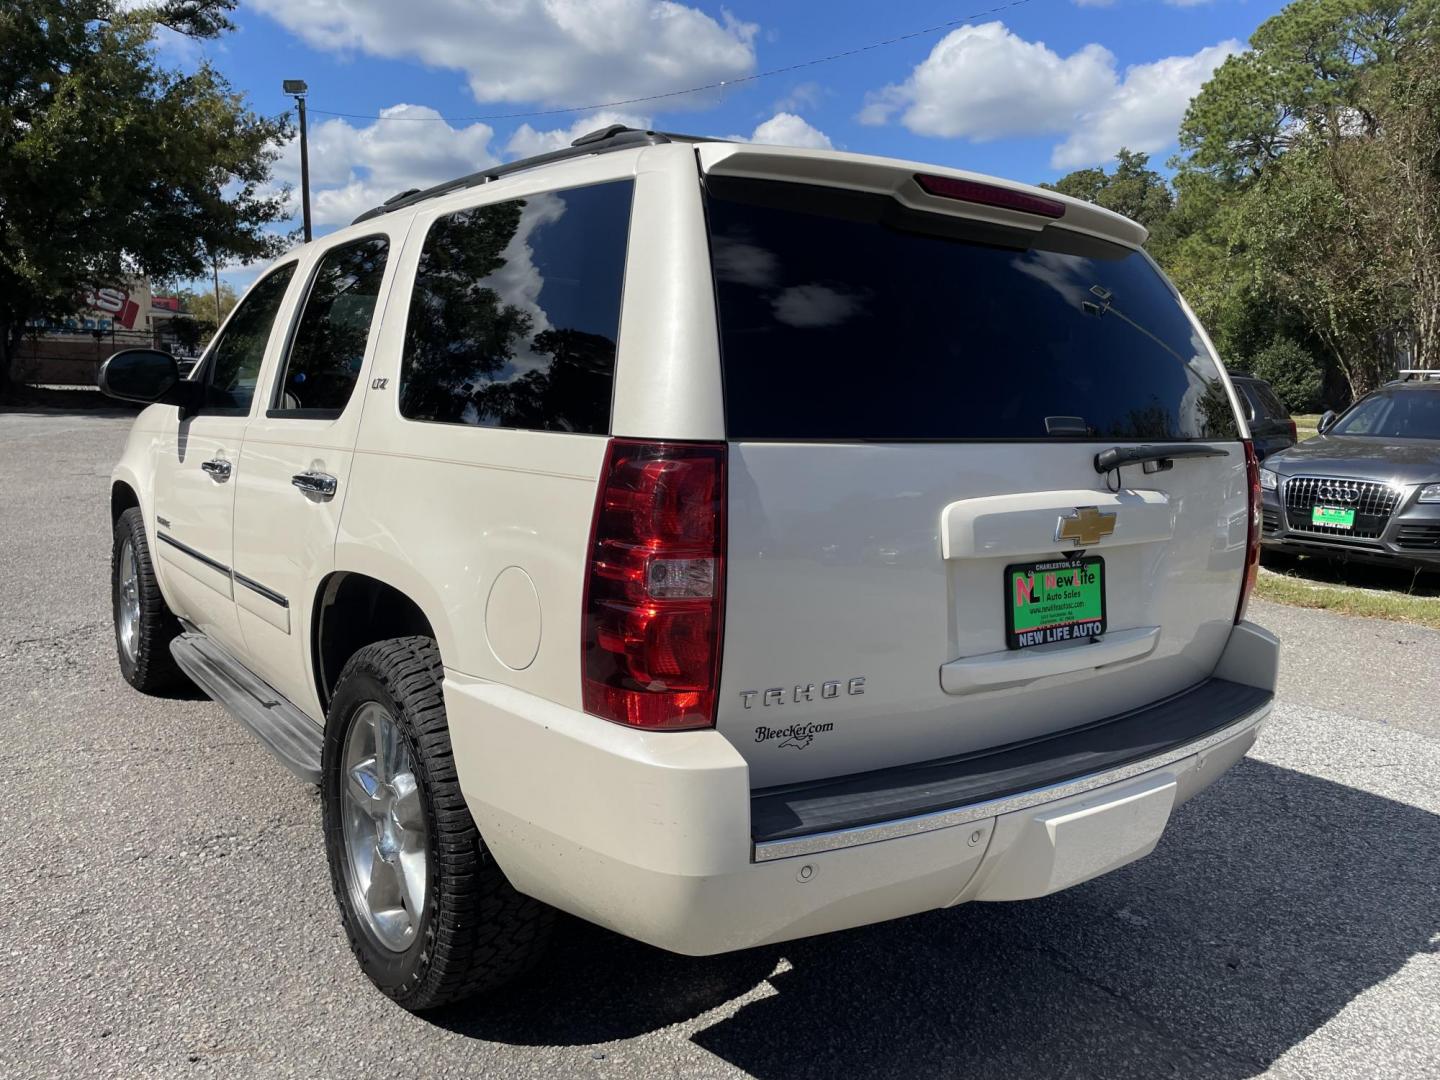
(796, 736)
(1056, 602)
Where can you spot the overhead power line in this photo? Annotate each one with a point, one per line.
(723, 84)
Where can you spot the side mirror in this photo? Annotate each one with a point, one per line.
(1327, 421)
(147, 376)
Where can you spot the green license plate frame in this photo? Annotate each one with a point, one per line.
(1054, 600)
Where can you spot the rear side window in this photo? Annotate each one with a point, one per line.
(328, 348)
(516, 310)
(844, 315)
(1266, 403)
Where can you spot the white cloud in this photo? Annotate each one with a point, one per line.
(746, 263)
(1105, 3)
(355, 168)
(787, 129)
(1186, 3)
(527, 141)
(984, 82)
(815, 305)
(1144, 110)
(554, 51)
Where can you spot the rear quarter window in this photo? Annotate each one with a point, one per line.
(845, 316)
(516, 310)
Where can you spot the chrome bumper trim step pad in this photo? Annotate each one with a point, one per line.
(841, 812)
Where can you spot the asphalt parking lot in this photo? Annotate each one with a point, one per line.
(165, 908)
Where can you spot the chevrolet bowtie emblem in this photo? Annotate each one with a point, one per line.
(1085, 526)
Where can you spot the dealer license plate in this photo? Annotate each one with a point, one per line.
(1337, 517)
(1046, 602)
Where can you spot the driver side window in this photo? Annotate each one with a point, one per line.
(328, 347)
(233, 366)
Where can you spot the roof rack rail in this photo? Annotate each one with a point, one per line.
(602, 141)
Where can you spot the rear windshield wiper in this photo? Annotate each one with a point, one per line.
(1109, 460)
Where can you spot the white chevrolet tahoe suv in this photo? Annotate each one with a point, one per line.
(720, 543)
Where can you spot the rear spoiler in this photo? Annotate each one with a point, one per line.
(902, 180)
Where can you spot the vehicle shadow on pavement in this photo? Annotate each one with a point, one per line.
(1274, 900)
(1397, 579)
(76, 401)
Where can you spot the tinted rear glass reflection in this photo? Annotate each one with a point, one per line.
(845, 316)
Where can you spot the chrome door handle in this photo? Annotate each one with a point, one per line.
(315, 483)
(218, 468)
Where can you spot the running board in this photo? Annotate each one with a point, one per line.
(286, 732)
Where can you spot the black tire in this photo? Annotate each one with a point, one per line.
(476, 932)
(148, 666)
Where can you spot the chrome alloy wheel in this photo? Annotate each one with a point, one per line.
(386, 838)
(127, 622)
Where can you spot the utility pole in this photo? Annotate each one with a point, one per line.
(297, 89)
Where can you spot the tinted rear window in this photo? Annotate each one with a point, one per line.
(1272, 404)
(844, 315)
(1263, 402)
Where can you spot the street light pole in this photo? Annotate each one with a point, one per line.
(297, 88)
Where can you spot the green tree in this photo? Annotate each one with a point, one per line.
(1133, 189)
(1410, 172)
(199, 304)
(1198, 248)
(1292, 372)
(111, 163)
(1308, 198)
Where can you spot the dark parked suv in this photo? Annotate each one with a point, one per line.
(1367, 487)
(1270, 425)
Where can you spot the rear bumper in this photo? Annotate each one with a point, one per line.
(651, 834)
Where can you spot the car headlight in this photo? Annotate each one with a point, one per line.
(1271, 481)
(1430, 493)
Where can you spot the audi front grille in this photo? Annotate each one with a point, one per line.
(1372, 501)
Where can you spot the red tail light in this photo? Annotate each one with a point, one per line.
(1252, 537)
(949, 187)
(655, 585)
(1294, 431)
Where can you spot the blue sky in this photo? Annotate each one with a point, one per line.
(1029, 92)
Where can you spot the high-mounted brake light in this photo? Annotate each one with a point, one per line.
(655, 585)
(948, 187)
(1252, 535)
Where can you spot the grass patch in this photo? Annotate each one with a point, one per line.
(1406, 599)
(1305, 424)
